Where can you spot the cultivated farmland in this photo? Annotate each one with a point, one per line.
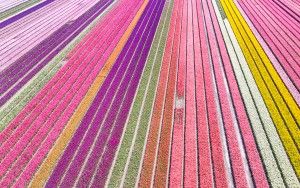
(149, 93)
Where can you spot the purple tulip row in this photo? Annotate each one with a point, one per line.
(32, 62)
(105, 119)
(24, 13)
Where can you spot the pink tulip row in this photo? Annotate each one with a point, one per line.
(218, 122)
(8, 4)
(60, 97)
(39, 27)
(279, 29)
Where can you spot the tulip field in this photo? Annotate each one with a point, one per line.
(149, 93)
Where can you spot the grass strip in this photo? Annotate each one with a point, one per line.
(49, 163)
(17, 9)
(16, 104)
(165, 110)
(141, 110)
(135, 161)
